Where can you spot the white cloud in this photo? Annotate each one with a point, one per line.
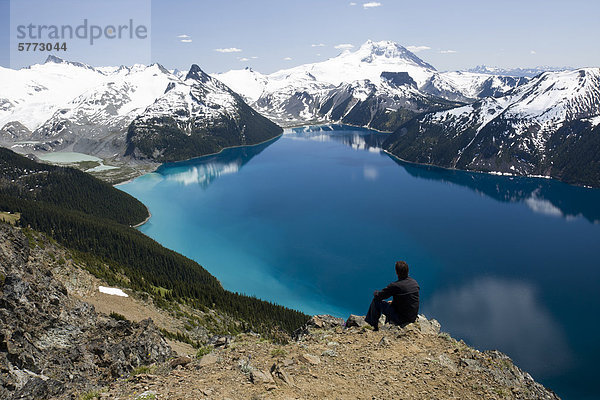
(287, 58)
(183, 36)
(344, 46)
(229, 50)
(254, 57)
(244, 59)
(353, 4)
(371, 4)
(416, 49)
(317, 45)
(448, 51)
(186, 40)
(532, 52)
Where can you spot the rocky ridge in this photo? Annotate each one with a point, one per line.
(333, 359)
(53, 345)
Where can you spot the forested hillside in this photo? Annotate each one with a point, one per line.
(93, 219)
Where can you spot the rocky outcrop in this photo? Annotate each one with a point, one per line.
(333, 360)
(53, 345)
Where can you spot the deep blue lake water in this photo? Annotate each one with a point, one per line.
(316, 219)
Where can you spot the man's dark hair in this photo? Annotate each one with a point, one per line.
(401, 269)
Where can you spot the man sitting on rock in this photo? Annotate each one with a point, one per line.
(403, 308)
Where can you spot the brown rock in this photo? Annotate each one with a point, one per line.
(278, 372)
(183, 361)
(258, 376)
(208, 359)
(309, 359)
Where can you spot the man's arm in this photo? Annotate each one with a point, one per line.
(386, 292)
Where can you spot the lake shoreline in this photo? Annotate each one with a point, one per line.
(506, 174)
(158, 165)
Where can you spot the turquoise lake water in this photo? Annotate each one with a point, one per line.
(315, 220)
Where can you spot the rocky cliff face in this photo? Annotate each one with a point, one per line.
(53, 345)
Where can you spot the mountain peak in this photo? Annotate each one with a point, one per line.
(54, 59)
(196, 73)
(388, 50)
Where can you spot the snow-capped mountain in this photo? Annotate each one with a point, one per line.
(468, 86)
(32, 95)
(61, 105)
(101, 115)
(516, 72)
(548, 127)
(383, 82)
(199, 115)
(368, 62)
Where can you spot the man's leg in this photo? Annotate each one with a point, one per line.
(374, 313)
(390, 313)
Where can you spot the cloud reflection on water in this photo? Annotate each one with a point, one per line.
(204, 174)
(353, 137)
(542, 206)
(505, 315)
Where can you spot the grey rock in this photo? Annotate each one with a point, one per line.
(221, 341)
(428, 326)
(355, 320)
(325, 322)
(329, 353)
(318, 322)
(445, 361)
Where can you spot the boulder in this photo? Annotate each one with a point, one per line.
(324, 322)
(317, 322)
(183, 361)
(356, 320)
(277, 371)
(428, 326)
(258, 376)
(309, 359)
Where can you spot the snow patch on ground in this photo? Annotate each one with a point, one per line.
(112, 291)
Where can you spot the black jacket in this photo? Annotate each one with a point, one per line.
(406, 298)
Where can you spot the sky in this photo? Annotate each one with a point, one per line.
(269, 35)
